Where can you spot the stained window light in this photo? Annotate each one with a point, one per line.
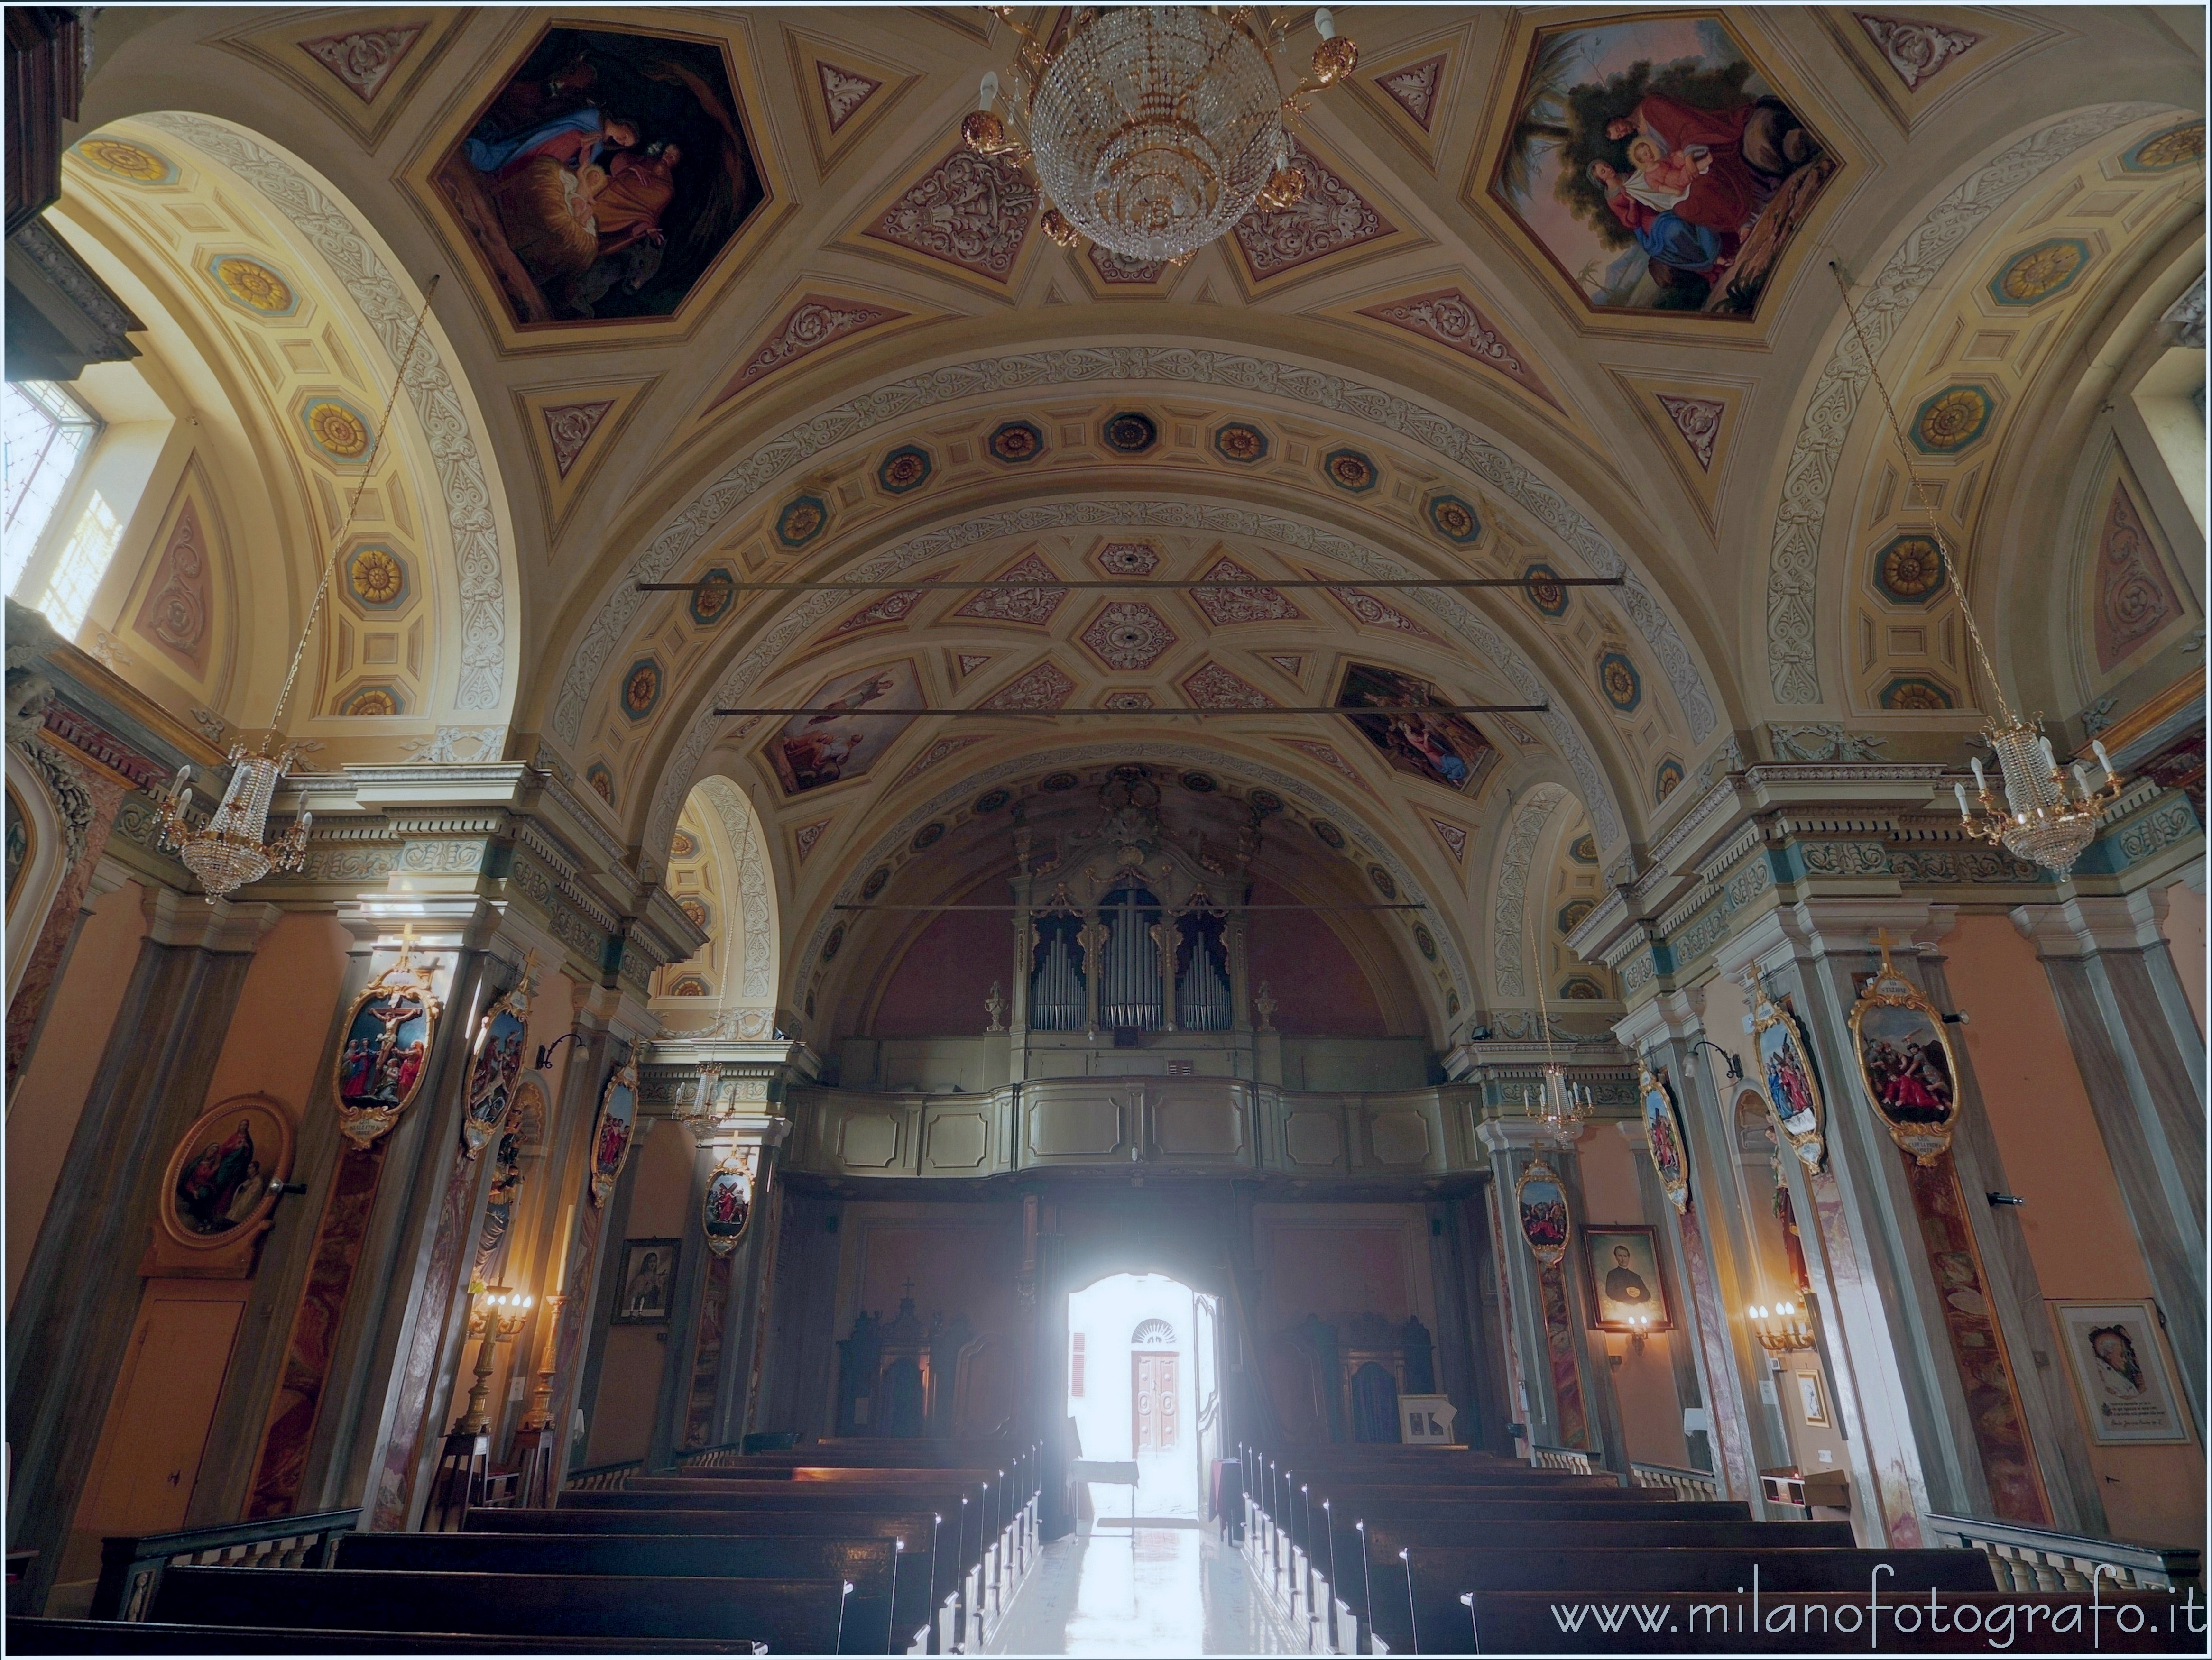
(77, 573)
(45, 433)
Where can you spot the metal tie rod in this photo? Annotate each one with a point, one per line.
(1186, 911)
(1026, 585)
(1272, 709)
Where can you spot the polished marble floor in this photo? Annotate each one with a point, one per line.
(1168, 1591)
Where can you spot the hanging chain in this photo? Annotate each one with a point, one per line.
(1942, 545)
(353, 507)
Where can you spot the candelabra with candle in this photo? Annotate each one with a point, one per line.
(1558, 1103)
(499, 1314)
(1781, 1327)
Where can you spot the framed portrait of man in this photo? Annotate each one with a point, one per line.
(648, 1281)
(1622, 1268)
(2121, 1370)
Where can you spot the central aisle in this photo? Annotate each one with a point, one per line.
(1176, 1591)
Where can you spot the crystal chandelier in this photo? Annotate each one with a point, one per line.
(1561, 1106)
(228, 852)
(2049, 812)
(1154, 129)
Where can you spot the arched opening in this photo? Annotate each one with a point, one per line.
(1144, 1393)
(718, 876)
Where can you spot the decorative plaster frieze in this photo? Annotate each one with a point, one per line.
(1508, 910)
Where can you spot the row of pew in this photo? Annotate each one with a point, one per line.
(841, 1548)
(1387, 1550)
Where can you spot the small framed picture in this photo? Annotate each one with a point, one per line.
(1811, 1402)
(2120, 1371)
(1622, 1268)
(648, 1281)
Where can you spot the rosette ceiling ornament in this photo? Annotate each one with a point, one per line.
(2051, 813)
(1152, 130)
(228, 851)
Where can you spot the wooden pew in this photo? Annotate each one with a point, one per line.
(133, 1636)
(791, 1616)
(880, 1608)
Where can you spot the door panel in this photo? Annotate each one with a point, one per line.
(1158, 1402)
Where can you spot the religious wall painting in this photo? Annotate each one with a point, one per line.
(1906, 1064)
(1655, 166)
(22, 843)
(222, 1183)
(613, 1131)
(1540, 1197)
(605, 175)
(1662, 1134)
(380, 1065)
(1445, 749)
(1620, 1268)
(648, 1281)
(497, 1062)
(728, 1208)
(834, 741)
(1792, 1091)
(2121, 1372)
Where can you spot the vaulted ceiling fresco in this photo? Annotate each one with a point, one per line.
(723, 299)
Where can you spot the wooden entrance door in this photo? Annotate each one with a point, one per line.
(1157, 1393)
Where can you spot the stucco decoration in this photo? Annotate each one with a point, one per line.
(1168, 757)
(1489, 645)
(455, 448)
(1508, 911)
(756, 915)
(1793, 551)
(1032, 372)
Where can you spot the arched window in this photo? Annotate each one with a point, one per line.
(1152, 1334)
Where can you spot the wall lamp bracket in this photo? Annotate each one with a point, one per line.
(545, 1050)
(1959, 1019)
(1733, 1062)
(2006, 1198)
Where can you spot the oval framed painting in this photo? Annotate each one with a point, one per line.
(613, 1132)
(727, 1208)
(1662, 1134)
(388, 1032)
(1909, 1071)
(1793, 1090)
(1542, 1198)
(497, 1064)
(223, 1179)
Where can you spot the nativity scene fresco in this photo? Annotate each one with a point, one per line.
(605, 176)
(1656, 167)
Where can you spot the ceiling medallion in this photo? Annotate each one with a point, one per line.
(1155, 129)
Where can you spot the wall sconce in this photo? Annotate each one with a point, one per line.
(1640, 1328)
(1780, 1328)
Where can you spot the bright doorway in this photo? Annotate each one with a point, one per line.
(1144, 1385)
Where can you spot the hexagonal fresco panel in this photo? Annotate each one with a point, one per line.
(1654, 166)
(1129, 634)
(605, 174)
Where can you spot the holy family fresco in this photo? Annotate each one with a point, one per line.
(605, 175)
(1656, 167)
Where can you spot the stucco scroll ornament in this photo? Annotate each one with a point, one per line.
(498, 1061)
(380, 1063)
(1906, 1061)
(613, 1132)
(1793, 1091)
(1541, 1199)
(727, 1208)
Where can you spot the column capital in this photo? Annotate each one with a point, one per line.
(1842, 926)
(196, 922)
(2086, 925)
(1678, 1015)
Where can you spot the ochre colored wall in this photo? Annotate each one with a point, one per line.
(2184, 937)
(938, 989)
(1318, 988)
(1643, 1384)
(44, 1106)
(2075, 1223)
(275, 1045)
(629, 1376)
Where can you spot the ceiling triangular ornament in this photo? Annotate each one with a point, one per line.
(1209, 686)
(571, 429)
(814, 321)
(1226, 606)
(880, 612)
(940, 750)
(1314, 749)
(1413, 90)
(1915, 49)
(1045, 686)
(1448, 317)
(1333, 222)
(364, 75)
(965, 664)
(1290, 662)
(1205, 295)
(1375, 612)
(969, 215)
(1052, 295)
(1416, 88)
(1032, 607)
(1453, 837)
(1695, 422)
(804, 838)
(844, 93)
